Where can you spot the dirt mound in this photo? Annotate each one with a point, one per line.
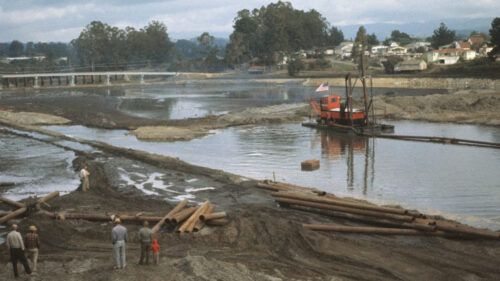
(32, 118)
(474, 107)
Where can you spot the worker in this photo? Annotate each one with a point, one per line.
(145, 238)
(119, 238)
(32, 243)
(155, 247)
(84, 176)
(16, 247)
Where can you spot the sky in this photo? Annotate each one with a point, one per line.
(62, 21)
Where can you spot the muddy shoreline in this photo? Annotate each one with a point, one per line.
(261, 242)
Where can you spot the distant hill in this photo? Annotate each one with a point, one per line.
(420, 29)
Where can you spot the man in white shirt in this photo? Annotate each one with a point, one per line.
(15, 245)
(84, 176)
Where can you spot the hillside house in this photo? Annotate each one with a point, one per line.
(449, 56)
(412, 47)
(344, 50)
(410, 66)
(398, 50)
(476, 39)
(456, 45)
(379, 50)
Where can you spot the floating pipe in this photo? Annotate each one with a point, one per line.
(345, 209)
(458, 228)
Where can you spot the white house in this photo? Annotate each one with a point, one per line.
(379, 50)
(449, 56)
(397, 50)
(344, 50)
(420, 44)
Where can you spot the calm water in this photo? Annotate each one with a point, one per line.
(186, 100)
(459, 182)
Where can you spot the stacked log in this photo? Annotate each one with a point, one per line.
(169, 215)
(399, 221)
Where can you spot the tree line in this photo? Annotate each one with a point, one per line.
(263, 36)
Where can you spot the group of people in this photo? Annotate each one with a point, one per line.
(119, 238)
(17, 248)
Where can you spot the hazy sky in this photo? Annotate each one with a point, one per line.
(57, 20)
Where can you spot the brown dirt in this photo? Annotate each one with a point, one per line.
(261, 242)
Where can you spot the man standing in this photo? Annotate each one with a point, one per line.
(32, 243)
(145, 237)
(84, 176)
(119, 237)
(16, 246)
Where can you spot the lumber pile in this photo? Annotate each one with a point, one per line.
(388, 220)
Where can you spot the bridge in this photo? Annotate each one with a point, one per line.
(71, 79)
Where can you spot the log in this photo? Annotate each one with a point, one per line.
(12, 202)
(217, 222)
(13, 214)
(376, 230)
(213, 216)
(340, 203)
(270, 187)
(171, 213)
(182, 215)
(345, 209)
(463, 229)
(188, 222)
(200, 223)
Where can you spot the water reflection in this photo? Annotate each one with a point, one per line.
(342, 147)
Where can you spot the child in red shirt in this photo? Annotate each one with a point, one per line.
(155, 247)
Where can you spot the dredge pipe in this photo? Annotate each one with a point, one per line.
(12, 202)
(376, 230)
(13, 214)
(196, 217)
(172, 212)
(48, 197)
(345, 209)
(213, 216)
(196, 214)
(182, 215)
(341, 203)
(97, 217)
(462, 229)
(217, 222)
(200, 223)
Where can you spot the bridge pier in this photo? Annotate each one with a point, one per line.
(126, 77)
(108, 80)
(142, 79)
(72, 81)
(35, 82)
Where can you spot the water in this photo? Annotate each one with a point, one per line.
(185, 100)
(459, 182)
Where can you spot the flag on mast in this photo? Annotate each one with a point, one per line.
(322, 88)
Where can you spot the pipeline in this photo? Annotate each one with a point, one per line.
(376, 230)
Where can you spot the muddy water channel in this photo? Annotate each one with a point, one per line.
(458, 182)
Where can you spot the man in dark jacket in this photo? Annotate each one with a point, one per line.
(145, 237)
